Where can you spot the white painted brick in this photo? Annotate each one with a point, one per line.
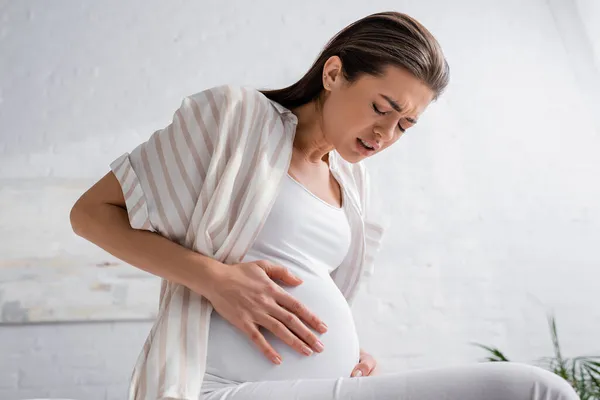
(116, 392)
(9, 378)
(42, 375)
(91, 361)
(103, 377)
(23, 394)
(79, 393)
(23, 344)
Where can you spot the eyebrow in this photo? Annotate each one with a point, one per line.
(397, 107)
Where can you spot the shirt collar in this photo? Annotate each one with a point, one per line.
(284, 111)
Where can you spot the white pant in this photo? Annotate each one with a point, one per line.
(480, 381)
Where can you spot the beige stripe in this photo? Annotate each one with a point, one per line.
(177, 156)
(190, 234)
(224, 117)
(120, 166)
(166, 225)
(162, 338)
(245, 178)
(183, 355)
(216, 112)
(171, 288)
(163, 289)
(129, 192)
(174, 199)
(199, 210)
(162, 353)
(197, 111)
(276, 156)
(228, 150)
(204, 314)
(206, 137)
(126, 173)
(136, 208)
(221, 164)
(238, 123)
(334, 273)
(187, 136)
(239, 200)
(140, 390)
(147, 225)
(230, 219)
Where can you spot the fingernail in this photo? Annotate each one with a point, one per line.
(319, 346)
(307, 351)
(358, 372)
(277, 360)
(322, 327)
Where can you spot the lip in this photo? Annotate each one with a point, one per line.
(362, 150)
(373, 144)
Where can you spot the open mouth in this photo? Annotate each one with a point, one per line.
(364, 145)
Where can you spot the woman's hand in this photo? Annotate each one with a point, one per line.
(246, 295)
(366, 365)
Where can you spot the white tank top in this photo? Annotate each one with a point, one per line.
(310, 237)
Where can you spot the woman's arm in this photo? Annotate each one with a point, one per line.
(100, 216)
(244, 294)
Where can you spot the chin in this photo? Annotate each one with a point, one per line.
(352, 158)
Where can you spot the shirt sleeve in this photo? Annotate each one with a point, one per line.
(161, 178)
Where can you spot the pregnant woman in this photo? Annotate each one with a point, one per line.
(253, 206)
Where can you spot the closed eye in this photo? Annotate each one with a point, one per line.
(385, 112)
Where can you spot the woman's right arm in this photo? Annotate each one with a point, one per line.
(100, 216)
(244, 294)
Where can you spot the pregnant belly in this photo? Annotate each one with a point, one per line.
(233, 356)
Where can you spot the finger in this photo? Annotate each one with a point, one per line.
(359, 370)
(259, 340)
(369, 363)
(301, 311)
(283, 333)
(282, 274)
(365, 367)
(299, 329)
(374, 371)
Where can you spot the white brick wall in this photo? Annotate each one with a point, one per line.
(80, 361)
(493, 197)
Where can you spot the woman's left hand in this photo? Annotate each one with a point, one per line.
(366, 365)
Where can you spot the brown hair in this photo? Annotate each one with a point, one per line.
(367, 46)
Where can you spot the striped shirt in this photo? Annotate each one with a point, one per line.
(207, 181)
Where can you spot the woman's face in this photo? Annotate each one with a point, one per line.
(377, 110)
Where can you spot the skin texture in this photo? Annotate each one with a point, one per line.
(349, 112)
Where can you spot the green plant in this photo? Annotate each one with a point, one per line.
(583, 373)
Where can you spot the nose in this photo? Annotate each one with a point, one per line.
(385, 131)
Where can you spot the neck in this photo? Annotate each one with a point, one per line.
(310, 142)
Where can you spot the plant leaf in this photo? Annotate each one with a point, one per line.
(562, 370)
(498, 356)
(591, 369)
(594, 380)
